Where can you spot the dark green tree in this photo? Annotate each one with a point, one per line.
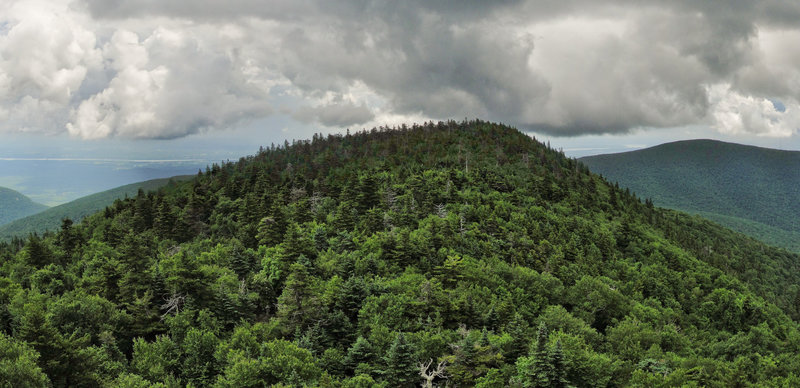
(400, 364)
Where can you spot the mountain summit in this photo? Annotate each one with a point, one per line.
(465, 254)
(750, 189)
(14, 205)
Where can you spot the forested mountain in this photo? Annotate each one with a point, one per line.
(50, 219)
(459, 254)
(14, 205)
(749, 189)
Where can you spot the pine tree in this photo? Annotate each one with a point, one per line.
(518, 330)
(367, 196)
(360, 352)
(272, 228)
(165, 222)
(297, 304)
(401, 369)
(36, 252)
(68, 239)
(542, 367)
(558, 379)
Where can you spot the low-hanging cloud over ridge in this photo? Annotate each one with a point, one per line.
(166, 69)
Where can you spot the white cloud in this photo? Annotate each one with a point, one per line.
(155, 69)
(45, 56)
(735, 114)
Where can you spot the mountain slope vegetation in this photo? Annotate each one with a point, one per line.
(50, 219)
(465, 254)
(749, 189)
(14, 205)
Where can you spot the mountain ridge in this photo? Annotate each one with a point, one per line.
(50, 218)
(15, 205)
(756, 184)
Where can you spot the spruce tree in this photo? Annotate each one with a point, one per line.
(401, 369)
(360, 352)
(542, 367)
(518, 330)
(558, 379)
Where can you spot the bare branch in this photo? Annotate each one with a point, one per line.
(173, 305)
(436, 373)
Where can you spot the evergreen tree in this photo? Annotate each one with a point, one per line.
(297, 305)
(558, 379)
(400, 364)
(272, 228)
(367, 196)
(36, 252)
(360, 353)
(68, 238)
(518, 330)
(540, 375)
(165, 222)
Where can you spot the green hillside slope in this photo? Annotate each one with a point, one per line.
(15, 205)
(750, 189)
(379, 258)
(50, 219)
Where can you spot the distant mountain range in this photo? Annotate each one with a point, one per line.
(44, 218)
(750, 189)
(14, 205)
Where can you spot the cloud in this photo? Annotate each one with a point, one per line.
(342, 114)
(165, 86)
(735, 114)
(43, 63)
(158, 69)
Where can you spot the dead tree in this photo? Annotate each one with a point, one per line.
(173, 305)
(438, 372)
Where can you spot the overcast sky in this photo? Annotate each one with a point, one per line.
(237, 73)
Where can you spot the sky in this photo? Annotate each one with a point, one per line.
(197, 79)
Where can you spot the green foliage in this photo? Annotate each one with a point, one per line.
(744, 188)
(41, 218)
(400, 368)
(355, 261)
(18, 367)
(14, 205)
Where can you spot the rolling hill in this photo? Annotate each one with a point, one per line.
(749, 189)
(50, 218)
(449, 254)
(14, 205)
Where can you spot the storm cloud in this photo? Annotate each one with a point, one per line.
(156, 69)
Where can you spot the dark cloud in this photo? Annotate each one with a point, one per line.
(563, 67)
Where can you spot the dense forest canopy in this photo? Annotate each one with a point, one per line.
(50, 219)
(459, 254)
(749, 189)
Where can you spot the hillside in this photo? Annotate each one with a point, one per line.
(15, 205)
(381, 258)
(749, 189)
(50, 219)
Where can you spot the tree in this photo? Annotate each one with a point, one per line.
(68, 238)
(36, 252)
(18, 365)
(540, 375)
(272, 228)
(165, 222)
(558, 379)
(360, 353)
(297, 304)
(437, 372)
(518, 329)
(400, 365)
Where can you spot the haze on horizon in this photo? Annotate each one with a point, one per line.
(164, 80)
